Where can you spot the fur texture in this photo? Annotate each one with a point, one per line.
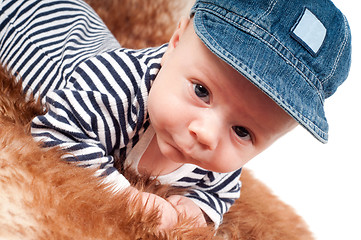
(141, 23)
(43, 197)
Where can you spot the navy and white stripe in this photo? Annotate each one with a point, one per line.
(45, 40)
(215, 192)
(96, 92)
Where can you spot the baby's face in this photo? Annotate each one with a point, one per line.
(205, 113)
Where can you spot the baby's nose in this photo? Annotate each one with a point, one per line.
(206, 131)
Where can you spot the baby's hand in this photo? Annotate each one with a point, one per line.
(168, 213)
(170, 210)
(189, 209)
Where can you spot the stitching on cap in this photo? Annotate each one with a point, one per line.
(269, 10)
(345, 40)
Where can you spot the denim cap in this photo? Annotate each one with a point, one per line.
(296, 51)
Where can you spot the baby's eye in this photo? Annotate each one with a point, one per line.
(242, 133)
(201, 92)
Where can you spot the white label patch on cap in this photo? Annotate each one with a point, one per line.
(309, 31)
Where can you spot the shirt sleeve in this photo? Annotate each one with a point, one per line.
(216, 193)
(100, 109)
(84, 125)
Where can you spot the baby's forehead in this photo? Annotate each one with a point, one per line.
(241, 94)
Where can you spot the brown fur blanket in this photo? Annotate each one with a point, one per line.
(42, 197)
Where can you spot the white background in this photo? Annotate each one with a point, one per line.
(323, 182)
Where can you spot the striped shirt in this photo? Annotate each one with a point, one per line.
(95, 91)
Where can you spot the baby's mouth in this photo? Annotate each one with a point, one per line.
(190, 153)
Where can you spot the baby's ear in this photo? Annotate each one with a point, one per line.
(182, 26)
(177, 35)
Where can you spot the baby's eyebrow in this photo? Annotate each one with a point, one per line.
(204, 73)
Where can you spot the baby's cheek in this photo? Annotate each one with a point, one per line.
(231, 159)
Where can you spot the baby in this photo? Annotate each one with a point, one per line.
(234, 77)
